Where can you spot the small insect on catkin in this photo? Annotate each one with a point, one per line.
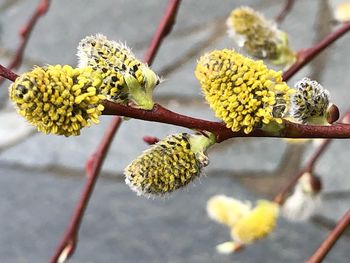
(126, 79)
(168, 165)
(310, 103)
(58, 99)
(258, 36)
(244, 93)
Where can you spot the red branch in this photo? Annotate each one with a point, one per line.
(25, 32)
(306, 55)
(288, 5)
(330, 241)
(7, 74)
(93, 166)
(308, 167)
(69, 241)
(163, 115)
(164, 28)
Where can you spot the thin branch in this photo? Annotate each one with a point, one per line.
(25, 32)
(288, 129)
(306, 55)
(288, 5)
(308, 167)
(7, 74)
(93, 166)
(281, 196)
(164, 28)
(331, 239)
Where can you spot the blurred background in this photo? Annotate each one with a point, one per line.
(41, 176)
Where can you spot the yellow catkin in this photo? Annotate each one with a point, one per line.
(226, 210)
(58, 99)
(342, 12)
(116, 63)
(168, 165)
(244, 93)
(256, 224)
(259, 36)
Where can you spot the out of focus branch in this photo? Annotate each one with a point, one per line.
(306, 55)
(331, 239)
(288, 5)
(25, 32)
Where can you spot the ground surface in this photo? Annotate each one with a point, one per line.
(41, 176)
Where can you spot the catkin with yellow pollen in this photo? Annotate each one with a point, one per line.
(168, 165)
(244, 93)
(257, 224)
(125, 77)
(258, 36)
(58, 99)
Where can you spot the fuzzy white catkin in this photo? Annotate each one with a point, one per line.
(301, 205)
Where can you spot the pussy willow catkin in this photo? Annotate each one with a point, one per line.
(168, 165)
(58, 99)
(126, 79)
(244, 93)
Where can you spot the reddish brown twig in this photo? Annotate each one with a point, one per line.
(164, 28)
(288, 5)
(69, 241)
(7, 74)
(289, 130)
(308, 167)
(331, 239)
(25, 32)
(93, 166)
(281, 196)
(306, 55)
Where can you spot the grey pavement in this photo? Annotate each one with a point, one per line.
(41, 176)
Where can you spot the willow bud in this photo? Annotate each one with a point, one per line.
(310, 104)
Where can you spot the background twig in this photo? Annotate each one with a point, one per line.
(93, 166)
(331, 239)
(25, 32)
(308, 167)
(306, 55)
(288, 5)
